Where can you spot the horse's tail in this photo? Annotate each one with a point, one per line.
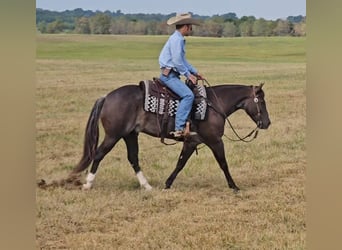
(91, 137)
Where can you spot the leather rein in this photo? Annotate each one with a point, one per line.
(255, 131)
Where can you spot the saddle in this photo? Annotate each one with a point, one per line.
(161, 100)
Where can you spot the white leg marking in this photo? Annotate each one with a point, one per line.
(90, 179)
(143, 182)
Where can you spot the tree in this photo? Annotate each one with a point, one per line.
(119, 26)
(295, 19)
(261, 28)
(139, 28)
(100, 24)
(299, 29)
(217, 19)
(229, 30)
(246, 25)
(42, 27)
(246, 28)
(230, 17)
(211, 29)
(282, 28)
(151, 28)
(82, 25)
(55, 27)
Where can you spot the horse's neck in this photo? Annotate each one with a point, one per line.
(230, 96)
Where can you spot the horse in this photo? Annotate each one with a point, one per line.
(123, 117)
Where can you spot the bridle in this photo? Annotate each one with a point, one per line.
(256, 101)
(255, 131)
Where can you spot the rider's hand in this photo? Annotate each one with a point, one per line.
(193, 79)
(199, 76)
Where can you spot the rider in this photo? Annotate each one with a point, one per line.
(173, 64)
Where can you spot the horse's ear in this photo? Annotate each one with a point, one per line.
(258, 88)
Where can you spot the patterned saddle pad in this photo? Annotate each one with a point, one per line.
(160, 99)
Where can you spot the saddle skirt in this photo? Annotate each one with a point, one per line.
(161, 100)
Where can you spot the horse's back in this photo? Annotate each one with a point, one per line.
(122, 108)
(125, 91)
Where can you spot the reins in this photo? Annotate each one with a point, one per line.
(255, 131)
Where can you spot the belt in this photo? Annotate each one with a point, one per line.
(167, 71)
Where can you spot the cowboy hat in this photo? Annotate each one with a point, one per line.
(184, 18)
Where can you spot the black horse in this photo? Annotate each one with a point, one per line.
(123, 116)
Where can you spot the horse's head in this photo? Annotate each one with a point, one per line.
(255, 107)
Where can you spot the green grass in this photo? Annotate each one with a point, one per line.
(113, 48)
(259, 49)
(199, 212)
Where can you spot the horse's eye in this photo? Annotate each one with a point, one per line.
(256, 100)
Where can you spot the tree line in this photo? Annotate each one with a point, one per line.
(81, 21)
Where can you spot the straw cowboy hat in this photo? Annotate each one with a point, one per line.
(184, 18)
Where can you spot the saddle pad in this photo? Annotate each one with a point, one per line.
(157, 104)
(201, 107)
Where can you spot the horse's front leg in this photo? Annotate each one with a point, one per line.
(218, 151)
(132, 154)
(185, 154)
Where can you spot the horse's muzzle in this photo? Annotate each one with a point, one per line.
(264, 124)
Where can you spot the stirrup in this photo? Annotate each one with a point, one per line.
(180, 133)
(183, 133)
(177, 134)
(186, 131)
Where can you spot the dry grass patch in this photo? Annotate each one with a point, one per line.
(200, 211)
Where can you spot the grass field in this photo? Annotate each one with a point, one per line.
(200, 211)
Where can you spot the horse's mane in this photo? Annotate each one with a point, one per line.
(231, 86)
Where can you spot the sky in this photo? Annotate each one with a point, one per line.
(267, 9)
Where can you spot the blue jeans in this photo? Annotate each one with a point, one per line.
(187, 97)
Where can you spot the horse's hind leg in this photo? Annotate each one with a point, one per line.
(218, 150)
(131, 141)
(107, 144)
(187, 150)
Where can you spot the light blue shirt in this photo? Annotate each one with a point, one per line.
(173, 55)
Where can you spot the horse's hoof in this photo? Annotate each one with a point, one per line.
(236, 190)
(41, 183)
(86, 186)
(147, 187)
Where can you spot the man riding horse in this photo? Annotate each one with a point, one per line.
(173, 64)
(125, 120)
